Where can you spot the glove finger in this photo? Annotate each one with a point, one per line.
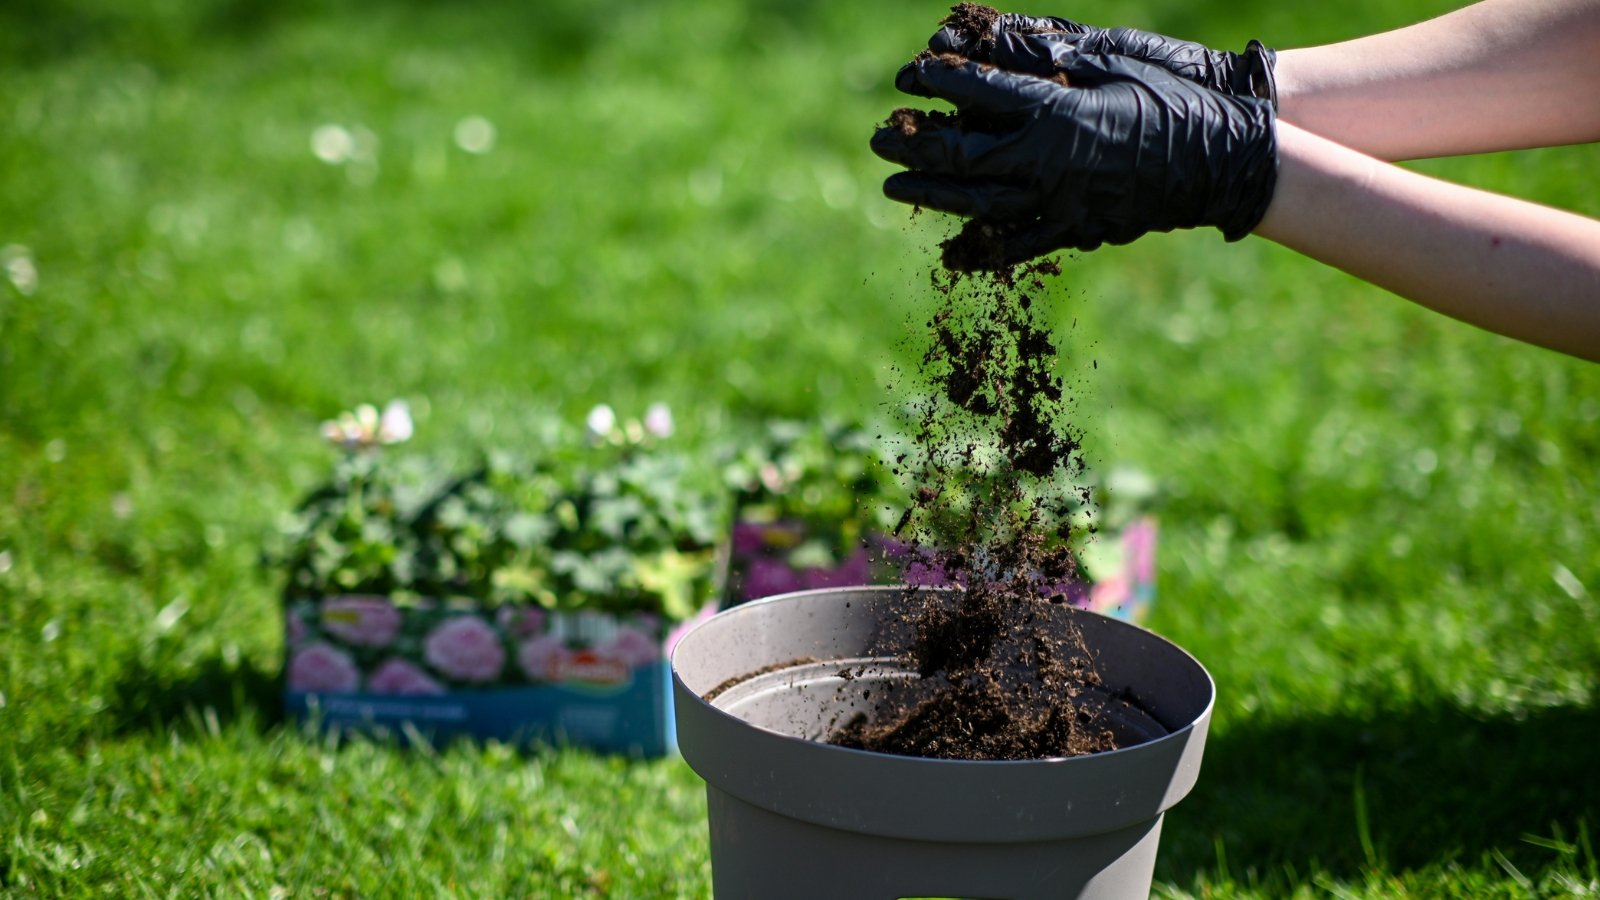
(1047, 237)
(965, 42)
(1035, 54)
(935, 147)
(962, 196)
(1015, 22)
(1182, 58)
(989, 244)
(959, 41)
(976, 88)
(906, 81)
(939, 150)
(1085, 69)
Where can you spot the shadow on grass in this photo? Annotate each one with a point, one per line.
(1336, 794)
(150, 701)
(1418, 787)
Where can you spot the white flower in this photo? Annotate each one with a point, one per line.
(333, 144)
(367, 421)
(394, 426)
(365, 427)
(658, 420)
(344, 431)
(772, 478)
(475, 134)
(17, 263)
(601, 422)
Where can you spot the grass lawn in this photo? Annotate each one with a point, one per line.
(224, 221)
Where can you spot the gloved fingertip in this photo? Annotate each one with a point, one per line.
(1085, 69)
(1021, 52)
(913, 77)
(888, 143)
(903, 187)
(949, 40)
(1042, 239)
(1023, 24)
(905, 80)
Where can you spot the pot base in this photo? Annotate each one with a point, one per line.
(782, 858)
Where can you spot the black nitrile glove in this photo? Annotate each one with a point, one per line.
(1032, 44)
(1129, 148)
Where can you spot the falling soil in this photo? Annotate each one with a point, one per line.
(992, 459)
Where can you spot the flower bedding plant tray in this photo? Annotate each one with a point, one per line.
(518, 674)
(524, 599)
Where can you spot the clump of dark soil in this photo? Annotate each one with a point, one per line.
(974, 22)
(911, 121)
(977, 26)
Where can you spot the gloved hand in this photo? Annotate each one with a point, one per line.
(1127, 149)
(1033, 44)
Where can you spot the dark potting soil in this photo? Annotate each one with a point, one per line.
(975, 22)
(992, 459)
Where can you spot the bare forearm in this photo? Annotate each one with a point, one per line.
(1498, 75)
(1516, 268)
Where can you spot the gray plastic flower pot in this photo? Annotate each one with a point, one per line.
(793, 816)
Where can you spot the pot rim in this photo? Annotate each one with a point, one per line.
(747, 607)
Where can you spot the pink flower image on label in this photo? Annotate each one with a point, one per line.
(465, 648)
(323, 668)
(542, 657)
(631, 647)
(397, 676)
(683, 628)
(294, 630)
(1109, 594)
(520, 621)
(1139, 542)
(361, 621)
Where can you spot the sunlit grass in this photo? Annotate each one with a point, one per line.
(227, 223)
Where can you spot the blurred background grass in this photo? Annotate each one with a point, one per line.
(225, 221)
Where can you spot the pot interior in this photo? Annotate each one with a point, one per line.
(805, 664)
(812, 699)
